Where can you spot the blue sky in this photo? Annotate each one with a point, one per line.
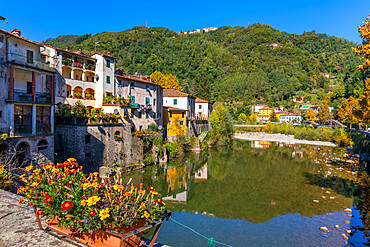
(39, 20)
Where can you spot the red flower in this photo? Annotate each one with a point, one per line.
(70, 182)
(67, 205)
(40, 212)
(48, 199)
(92, 213)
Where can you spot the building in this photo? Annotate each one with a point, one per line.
(256, 108)
(264, 114)
(291, 118)
(180, 100)
(298, 99)
(175, 121)
(88, 79)
(203, 108)
(26, 99)
(146, 99)
(279, 114)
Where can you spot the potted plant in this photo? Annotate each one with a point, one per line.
(90, 209)
(78, 95)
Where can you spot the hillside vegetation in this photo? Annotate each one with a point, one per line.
(235, 63)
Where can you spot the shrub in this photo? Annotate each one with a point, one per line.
(153, 127)
(172, 149)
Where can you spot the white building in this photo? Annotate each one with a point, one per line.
(26, 99)
(203, 108)
(256, 108)
(291, 118)
(177, 99)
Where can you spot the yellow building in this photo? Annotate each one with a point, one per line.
(280, 113)
(176, 178)
(265, 111)
(175, 121)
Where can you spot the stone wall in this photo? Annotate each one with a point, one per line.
(196, 127)
(95, 145)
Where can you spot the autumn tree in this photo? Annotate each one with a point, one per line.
(166, 81)
(348, 111)
(253, 117)
(311, 115)
(323, 113)
(242, 117)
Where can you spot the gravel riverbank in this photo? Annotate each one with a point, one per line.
(288, 139)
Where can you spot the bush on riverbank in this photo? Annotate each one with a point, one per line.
(221, 126)
(337, 136)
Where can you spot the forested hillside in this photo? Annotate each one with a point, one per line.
(235, 63)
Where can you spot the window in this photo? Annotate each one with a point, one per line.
(200, 106)
(170, 114)
(153, 102)
(87, 78)
(139, 114)
(29, 56)
(154, 115)
(181, 123)
(119, 83)
(108, 63)
(182, 114)
(108, 79)
(23, 119)
(87, 139)
(175, 101)
(43, 119)
(1, 39)
(132, 99)
(132, 114)
(170, 123)
(29, 87)
(147, 100)
(147, 115)
(43, 144)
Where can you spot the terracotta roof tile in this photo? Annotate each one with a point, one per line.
(174, 93)
(199, 100)
(176, 109)
(138, 79)
(103, 54)
(20, 37)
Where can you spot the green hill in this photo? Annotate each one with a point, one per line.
(234, 63)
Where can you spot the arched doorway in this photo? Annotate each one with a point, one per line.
(22, 154)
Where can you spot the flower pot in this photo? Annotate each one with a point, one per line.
(101, 238)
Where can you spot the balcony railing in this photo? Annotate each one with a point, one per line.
(43, 129)
(22, 129)
(70, 62)
(30, 61)
(23, 96)
(89, 66)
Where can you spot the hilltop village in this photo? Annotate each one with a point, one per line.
(77, 105)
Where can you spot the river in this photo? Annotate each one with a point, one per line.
(262, 194)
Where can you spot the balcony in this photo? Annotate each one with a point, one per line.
(43, 129)
(22, 130)
(76, 64)
(89, 66)
(30, 62)
(23, 96)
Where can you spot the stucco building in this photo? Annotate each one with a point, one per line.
(26, 99)
(203, 108)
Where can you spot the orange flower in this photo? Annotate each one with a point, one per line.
(48, 199)
(84, 203)
(40, 212)
(141, 192)
(146, 214)
(92, 213)
(67, 205)
(104, 213)
(142, 205)
(128, 193)
(92, 200)
(70, 182)
(154, 192)
(29, 168)
(71, 160)
(20, 200)
(68, 217)
(118, 187)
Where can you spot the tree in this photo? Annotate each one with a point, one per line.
(273, 117)
(253, 117)
(364, 104)
(166, 81)
(323, 113)
(242, 117)
(363, 49)
(311, 115)
(221, 125)
(347, 111)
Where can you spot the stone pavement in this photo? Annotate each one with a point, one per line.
(18, 226)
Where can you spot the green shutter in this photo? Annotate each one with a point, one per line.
(154, 115)
(132, 114)
(108, 79)
(147, 115)
(175, 101)
(108, 64)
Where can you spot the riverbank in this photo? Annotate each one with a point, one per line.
(288, 139)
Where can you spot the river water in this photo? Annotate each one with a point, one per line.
(262, 194)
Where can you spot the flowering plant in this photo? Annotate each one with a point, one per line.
(87, 203)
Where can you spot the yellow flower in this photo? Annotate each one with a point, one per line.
(95, 185)
(29, 168)
(146, 214)
(55, 170)
(154, 192)
(86, 185)
(104, 213)
(70, 160)
(36, 171)
(118, 187)
(83, 203)
(31, 176)
(48, 167)
(96, 174)
(143, 205)
(93, 200)
(141, 192)
(34, 184)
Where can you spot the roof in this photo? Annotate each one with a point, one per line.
(263, 115)
(175, 93)
(176, 109)
(103, 54)
(138, 79)
(292, 115)
(20, 37)
(266, 108)
(71, 52)
(281, 112)
(199, 100)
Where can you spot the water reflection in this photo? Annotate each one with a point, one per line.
(260, 188)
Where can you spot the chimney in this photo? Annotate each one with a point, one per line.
(108, 52)
(67, 48)
(16, 32)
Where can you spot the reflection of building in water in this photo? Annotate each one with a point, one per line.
(201, 174)
(176, 180)
(260, 144)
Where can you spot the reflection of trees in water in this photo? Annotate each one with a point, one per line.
(364, 205)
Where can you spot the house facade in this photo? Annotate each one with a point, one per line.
(291, 118)
(256, 108)
(175, 121)
(180, 100)
(203, 108)
(26, 99)
(146, 99)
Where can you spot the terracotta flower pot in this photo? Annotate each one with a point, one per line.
(101, 238)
